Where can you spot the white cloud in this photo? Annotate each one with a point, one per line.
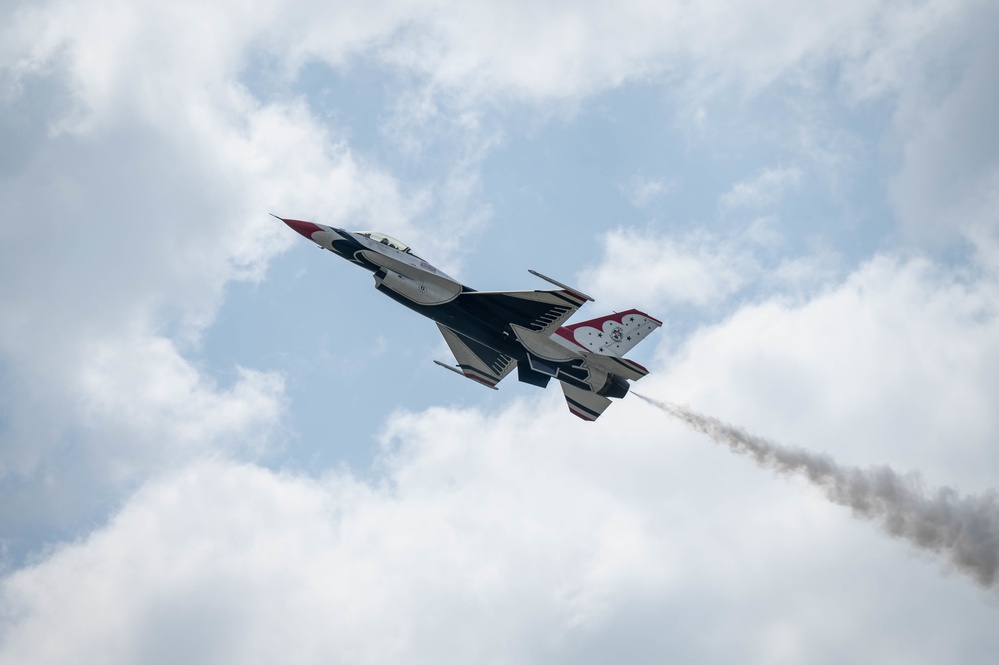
(524, 534)
(695, 269)
(140, 192)
(903, 355)
(149, 393)
(124, 252)
(950, 149)
(521, 535)
(898, 336)
(467, 58)
(644, 268)
(236, 560)
(532, 52)
(135, 195)
(762, 190)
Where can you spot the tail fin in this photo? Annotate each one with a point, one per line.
(612, 335)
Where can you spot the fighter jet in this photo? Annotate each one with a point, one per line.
(491, 332)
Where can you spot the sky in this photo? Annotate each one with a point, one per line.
(219, 444)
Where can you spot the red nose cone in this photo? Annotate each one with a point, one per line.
(305, 228)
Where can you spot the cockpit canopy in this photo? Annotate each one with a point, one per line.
(388, 240)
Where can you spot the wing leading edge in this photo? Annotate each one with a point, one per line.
(541, 312)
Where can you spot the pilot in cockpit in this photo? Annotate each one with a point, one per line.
(390, 241)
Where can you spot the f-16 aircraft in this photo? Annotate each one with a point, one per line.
(491, 332)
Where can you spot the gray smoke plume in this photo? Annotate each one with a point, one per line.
(964, 529)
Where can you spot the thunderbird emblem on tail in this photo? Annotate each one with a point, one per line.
(492, 332)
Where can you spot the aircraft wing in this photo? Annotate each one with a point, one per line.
(477, 361)
(539, 311)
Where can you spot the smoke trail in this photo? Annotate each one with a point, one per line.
(964, 529)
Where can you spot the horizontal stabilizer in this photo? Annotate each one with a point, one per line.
(583, 403)
(623, 367)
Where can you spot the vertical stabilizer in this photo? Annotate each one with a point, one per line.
(612, 335)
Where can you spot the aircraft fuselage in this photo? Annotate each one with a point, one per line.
(491, 332)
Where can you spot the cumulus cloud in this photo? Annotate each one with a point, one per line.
(137, 172)
(653, 269)
(950, 151)
(235, 560)
(124, 252)
(901, 318)
(532, 53)
(138, 192)
(896, 338)
(521, 534)
(964, 530)
(695, 268)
